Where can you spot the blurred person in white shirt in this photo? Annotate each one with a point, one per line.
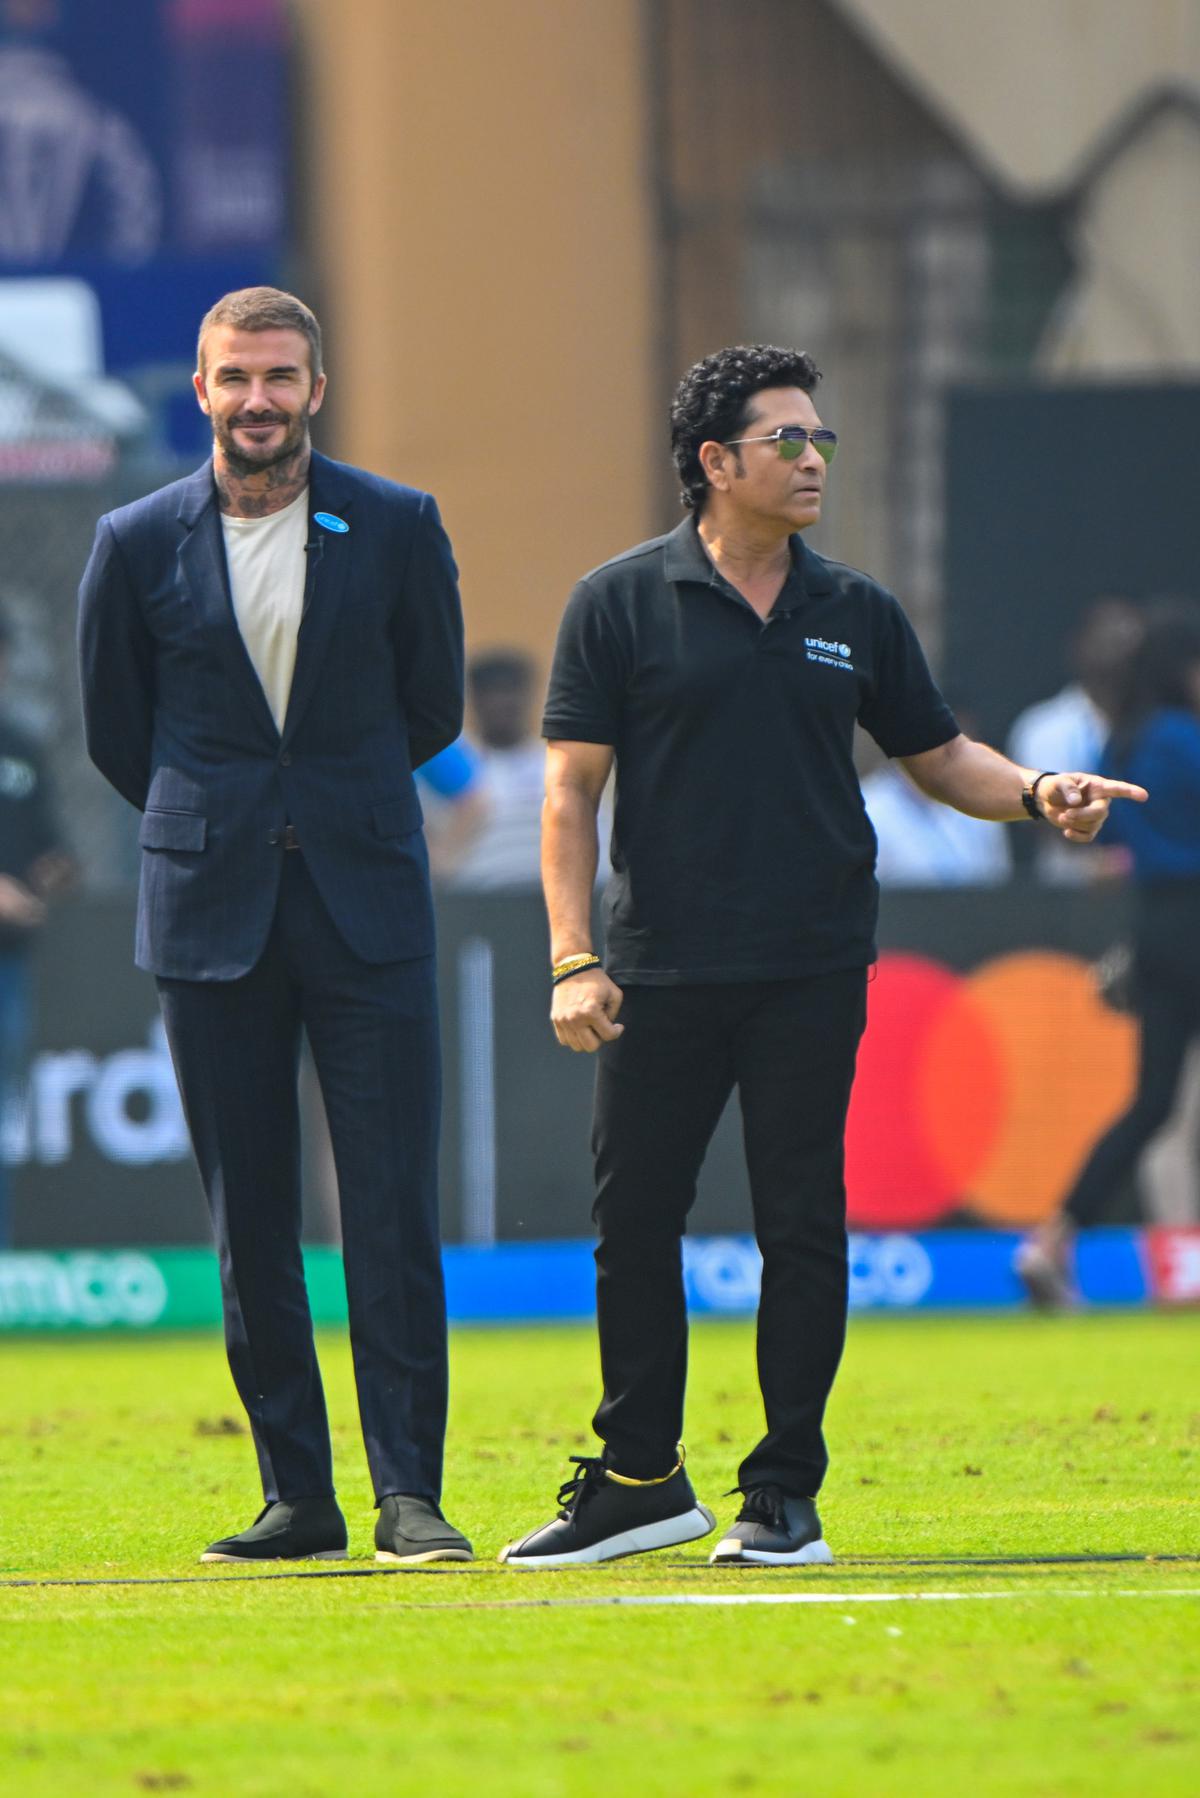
(1070, 729)
(922, 843)
(502, 851)
(483, 796)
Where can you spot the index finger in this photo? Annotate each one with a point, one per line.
(1119, 789)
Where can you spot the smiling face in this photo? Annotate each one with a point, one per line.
(751, 483)
(258, 390)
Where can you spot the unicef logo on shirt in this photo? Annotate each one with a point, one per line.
(832, 655)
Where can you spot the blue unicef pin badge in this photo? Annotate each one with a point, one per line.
(329, 521)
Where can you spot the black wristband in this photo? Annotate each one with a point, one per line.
(1029, 795)
(585, 967)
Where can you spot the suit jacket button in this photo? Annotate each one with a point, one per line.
(285, 760)
(274, 837)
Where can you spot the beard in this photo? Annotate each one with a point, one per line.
(253, 461)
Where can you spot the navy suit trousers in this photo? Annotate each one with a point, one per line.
(374, 1038)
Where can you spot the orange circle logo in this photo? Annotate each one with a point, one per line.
(981, 1091)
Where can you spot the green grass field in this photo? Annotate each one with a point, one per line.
(955, 1442)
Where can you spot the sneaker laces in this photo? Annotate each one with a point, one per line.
(588, 1475)
(764, 1504)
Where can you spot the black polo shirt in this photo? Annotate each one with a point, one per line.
(741, 846)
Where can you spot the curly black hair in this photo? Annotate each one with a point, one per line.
(712, 403)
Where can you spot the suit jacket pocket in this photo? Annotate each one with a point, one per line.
(173, 830)
(396, 817)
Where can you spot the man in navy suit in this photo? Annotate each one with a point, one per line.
(268, 649)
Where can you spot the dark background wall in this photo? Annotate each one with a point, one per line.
(1056, 497)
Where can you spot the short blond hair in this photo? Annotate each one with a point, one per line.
(263, 309)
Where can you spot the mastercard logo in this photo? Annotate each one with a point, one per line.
(981, 1091)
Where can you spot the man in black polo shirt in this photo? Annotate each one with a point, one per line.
(723, 667)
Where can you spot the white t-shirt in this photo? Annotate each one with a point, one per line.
(1068, 731)
(266, 578)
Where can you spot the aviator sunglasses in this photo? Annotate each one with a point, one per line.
(790, 441)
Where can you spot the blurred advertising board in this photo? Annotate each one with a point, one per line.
(143, 1289)
(1172, 1260)
(981, 1005)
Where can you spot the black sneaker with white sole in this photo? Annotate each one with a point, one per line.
(298, 1529)
(775, 1530)
(605, 1515)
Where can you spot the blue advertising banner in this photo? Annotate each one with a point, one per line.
(141, 1289)
(143, 150)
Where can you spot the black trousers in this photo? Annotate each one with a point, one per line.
(374, 1038)
(789, 1047)
(1167, 976)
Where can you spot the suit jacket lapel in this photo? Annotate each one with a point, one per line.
(205, 576)
(329, 554)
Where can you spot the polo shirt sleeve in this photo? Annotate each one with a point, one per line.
(904, 710)
(588, 675)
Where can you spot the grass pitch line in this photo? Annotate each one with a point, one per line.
(849, 1598)
(652, 1599)
(844, 1564)
(240, 1579)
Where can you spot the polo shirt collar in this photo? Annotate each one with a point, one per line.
(685, 559)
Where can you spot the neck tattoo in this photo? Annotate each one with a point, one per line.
(264, 491)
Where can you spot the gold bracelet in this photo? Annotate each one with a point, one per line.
(574, 961)
(574, 964)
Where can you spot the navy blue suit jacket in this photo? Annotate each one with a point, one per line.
(176, 719)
